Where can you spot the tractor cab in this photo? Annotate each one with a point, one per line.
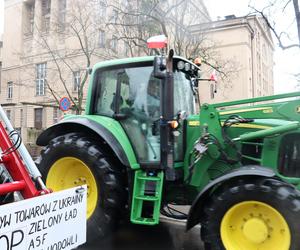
(129, 91)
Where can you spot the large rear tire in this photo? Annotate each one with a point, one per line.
(71, 160)
(251, 214)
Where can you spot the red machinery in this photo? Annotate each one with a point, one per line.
(21, 173)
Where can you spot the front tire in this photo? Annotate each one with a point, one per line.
(71, 160)
(251, 214)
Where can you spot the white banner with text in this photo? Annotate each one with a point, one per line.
(55, 221)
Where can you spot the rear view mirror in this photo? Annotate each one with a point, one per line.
(159, 65)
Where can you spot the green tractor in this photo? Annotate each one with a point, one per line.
(141, 147)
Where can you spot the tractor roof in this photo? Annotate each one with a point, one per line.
(129, 60)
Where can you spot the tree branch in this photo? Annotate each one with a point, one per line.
(272, 28)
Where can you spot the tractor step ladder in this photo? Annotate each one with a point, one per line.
(141, 196)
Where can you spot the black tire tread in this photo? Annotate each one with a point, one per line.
(287, 195)
(112, 186)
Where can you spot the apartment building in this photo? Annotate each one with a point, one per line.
(44, 60)
(49, 46)
(245, 47)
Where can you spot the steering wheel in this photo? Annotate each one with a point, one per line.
(131, 112)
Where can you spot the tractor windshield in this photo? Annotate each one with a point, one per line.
(135, 93)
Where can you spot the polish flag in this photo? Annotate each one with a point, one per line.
(157, 42)
(213, 77)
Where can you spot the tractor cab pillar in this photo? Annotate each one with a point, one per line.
(163, 69)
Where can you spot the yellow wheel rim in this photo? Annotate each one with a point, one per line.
(253, 225)
(70, 172)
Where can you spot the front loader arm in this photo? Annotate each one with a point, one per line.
(287, 110)
(268, 132)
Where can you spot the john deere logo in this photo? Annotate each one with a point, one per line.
(267, 111)
(194, 123)
(298, 109)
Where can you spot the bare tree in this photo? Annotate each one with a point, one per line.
(69, 45)
(74, 33)
(135, 22)
(282, 37)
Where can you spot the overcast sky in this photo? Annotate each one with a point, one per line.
(286, 62)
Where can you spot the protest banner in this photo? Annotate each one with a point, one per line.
(55, 221)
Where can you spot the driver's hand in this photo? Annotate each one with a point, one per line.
(129, 102)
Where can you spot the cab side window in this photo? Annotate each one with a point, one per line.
(106, 92)
(289, 156)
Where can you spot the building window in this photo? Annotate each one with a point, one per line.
(41, 71)
(76, 80)
(125, 3)
(46, 10)
(30, 18)
(38, 118)
(21, 118)
(126, 48)
(258, 41)
(101, 39)
(102, 9)
(55, 115)
(8, 114)
(46, 7)
(114, 43)
(212, 91)
(114, 16)
(62, 14)
(9, 90)
(46, 24)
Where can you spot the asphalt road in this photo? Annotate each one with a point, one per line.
(168, 235)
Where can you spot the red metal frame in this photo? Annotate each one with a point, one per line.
(21, 179)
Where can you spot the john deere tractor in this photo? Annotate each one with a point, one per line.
(141, 148)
